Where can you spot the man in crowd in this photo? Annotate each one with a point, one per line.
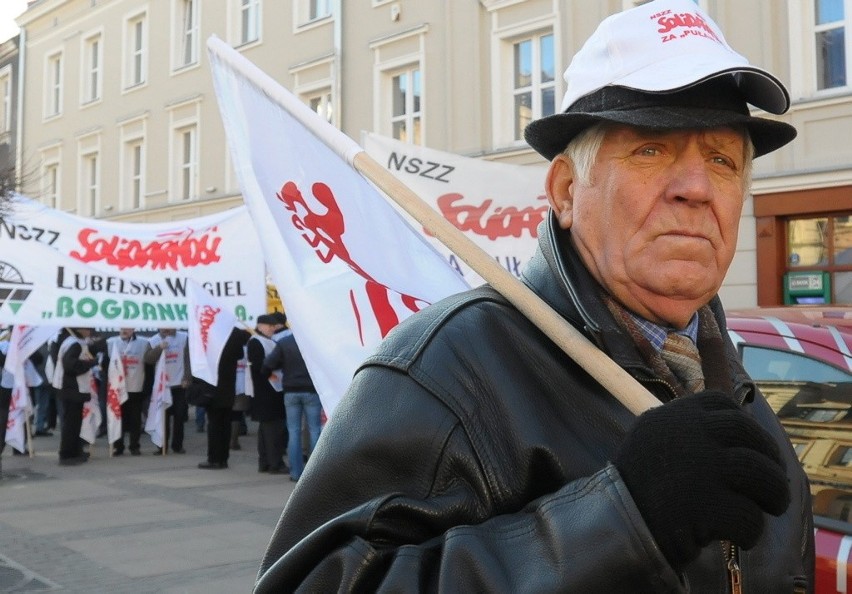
(267, 407)
(472, 455)
(174, 344)
(132, 349)
(76, 356)
(300, 399)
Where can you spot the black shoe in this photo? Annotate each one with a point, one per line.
(178, 451)
(43, 433)
(236, 446)
(17, 453)
(75, 461)
(277, 471)
(85, 456)
(135, 452)
(213, 465)
(102, 432)
(263, 468)
(118, 452)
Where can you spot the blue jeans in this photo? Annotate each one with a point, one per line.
(297, 403)
(41, 397)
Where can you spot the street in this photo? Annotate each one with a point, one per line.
(136, 523)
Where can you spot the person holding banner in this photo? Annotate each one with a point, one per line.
(222, 401)
(267, 407)
(471, 454)
(174, 344)
(73, 378)
(132, 350)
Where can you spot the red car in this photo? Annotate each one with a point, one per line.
(801, 358)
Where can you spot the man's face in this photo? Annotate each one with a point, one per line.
(657, 222)
(164, 332)
(125, 333)
(266, 329)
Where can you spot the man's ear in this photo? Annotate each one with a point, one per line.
(559, 188)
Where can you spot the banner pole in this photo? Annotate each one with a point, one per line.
(618, 382)
(29, 429)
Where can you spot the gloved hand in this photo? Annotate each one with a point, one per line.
(701, 470)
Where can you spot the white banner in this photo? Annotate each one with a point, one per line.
(347, 266)
(116, 393)
(161, 399)
(209, 330)
(91, 415)
(497, 205)
(63, 270)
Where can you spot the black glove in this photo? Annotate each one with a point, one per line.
(701, 470)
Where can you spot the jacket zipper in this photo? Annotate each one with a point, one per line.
(735, 574)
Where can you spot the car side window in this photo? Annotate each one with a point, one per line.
(767, 364)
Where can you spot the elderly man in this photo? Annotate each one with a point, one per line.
(472, 455)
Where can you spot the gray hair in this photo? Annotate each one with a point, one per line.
(583, 150)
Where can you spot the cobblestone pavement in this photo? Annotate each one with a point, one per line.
(136, 523)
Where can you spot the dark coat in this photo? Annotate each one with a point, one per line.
(225, 389)
(471, 454)
(267, 404)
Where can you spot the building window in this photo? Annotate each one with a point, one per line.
(136, 48)
(51, 184)
(249, 21)
(823, 244)
(830, 43)
(322, 105)
(92, 67)
(406, 114)
(533, 81)
(6, 106)
(89, 179)
(186, 19)
(53, 85)
(186, 162)
(133, 173)
(318, 9)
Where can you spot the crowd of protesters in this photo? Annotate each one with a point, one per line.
(72, 369)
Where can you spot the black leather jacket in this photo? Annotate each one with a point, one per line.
(471, 455)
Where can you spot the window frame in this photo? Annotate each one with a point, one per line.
(503, 41)
(410, 116)
(536, 87)
(91, 75)
(53, 84)
(303, 18)
(186, 34)
(385, 68)
(6, 93)
(245, 9)
(804, 74)
(133, 133)
(185, 175)
(135, 55)
(50, 175)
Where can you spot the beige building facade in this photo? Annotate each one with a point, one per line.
(119, 119)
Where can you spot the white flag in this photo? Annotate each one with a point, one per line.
(161, 399)
(116, 393)
(91, 414)
(347, 266)
(19, 407)
(23, 342)
(210, 325)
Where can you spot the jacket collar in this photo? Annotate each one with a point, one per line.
(558, 275)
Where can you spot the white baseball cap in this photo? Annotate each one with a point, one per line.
(660, 49)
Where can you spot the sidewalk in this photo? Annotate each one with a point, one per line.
(136, 523)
